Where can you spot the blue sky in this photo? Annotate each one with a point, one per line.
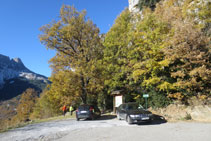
(21, 20)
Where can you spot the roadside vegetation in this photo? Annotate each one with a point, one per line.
(165, 52)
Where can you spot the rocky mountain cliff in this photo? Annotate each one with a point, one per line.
(15, 78)
(13, 68)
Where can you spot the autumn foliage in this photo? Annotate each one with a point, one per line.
(165, 52)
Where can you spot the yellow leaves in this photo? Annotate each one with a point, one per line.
(179, 73)
(202, 97)
(27, 103)
(202, 72)
(138, 73)
(137, 97)
(166, 86)
(65, 84)
(151, 81)
(177, 95)
(180, 84)
(118, 34)
(164, 63)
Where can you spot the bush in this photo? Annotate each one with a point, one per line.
(188, 116)
(158, 100)
(155, 100)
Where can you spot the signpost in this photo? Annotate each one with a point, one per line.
(146, 96)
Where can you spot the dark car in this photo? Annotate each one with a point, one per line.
(87, 112)
(133, 113)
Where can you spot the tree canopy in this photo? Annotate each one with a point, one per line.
(77, 42)
(164, 52)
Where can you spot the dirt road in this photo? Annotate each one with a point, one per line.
(109, 128)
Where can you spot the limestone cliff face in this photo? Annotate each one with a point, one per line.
(12, 68)
(132, 5)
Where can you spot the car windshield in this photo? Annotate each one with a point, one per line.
(134, 106)
(84, 107)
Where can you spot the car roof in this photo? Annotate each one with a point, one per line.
(130, 103)
(86, 105)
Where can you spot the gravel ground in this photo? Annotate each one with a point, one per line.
(109, 128)
(165, 132)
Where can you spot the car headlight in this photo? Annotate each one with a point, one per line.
(133, 116)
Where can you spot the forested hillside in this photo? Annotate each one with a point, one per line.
(16, 86)
(163, 50)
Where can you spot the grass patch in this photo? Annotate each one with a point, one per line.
(8, 126)
(187, 117)
(5, 126)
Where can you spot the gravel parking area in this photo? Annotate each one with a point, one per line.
(109, 128)
(181, 131)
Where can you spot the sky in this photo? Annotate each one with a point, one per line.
(20, 21)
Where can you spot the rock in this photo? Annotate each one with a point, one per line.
(132, 5)
(15, 68)
(175, 112)
(201, 113)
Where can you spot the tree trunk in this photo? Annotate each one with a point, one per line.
(84, 92)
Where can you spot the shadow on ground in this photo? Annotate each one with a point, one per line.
(102, 117)
(107, 117)
(157, 119)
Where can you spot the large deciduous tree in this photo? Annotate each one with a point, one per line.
(77, 42)
(116, 52)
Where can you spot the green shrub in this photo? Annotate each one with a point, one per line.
(188, 117)
(158, 100)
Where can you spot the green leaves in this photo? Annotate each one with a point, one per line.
(116, 50)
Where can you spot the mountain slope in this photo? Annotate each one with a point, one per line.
(17, 86)
(15, 78)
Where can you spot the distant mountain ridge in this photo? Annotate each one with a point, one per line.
(15, 78)
(13, 68)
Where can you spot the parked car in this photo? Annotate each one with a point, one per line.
(87, 112)
(133, 113)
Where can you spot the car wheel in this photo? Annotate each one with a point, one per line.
(118, 117)
(77, 119)
(129, 120)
